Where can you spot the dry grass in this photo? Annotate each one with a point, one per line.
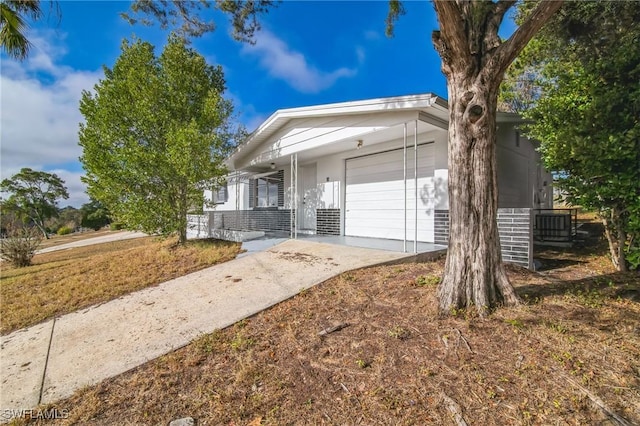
(64, 281)
(397, 362)
(56, 240)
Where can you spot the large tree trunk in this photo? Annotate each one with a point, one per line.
(474, 273)
(474, 60)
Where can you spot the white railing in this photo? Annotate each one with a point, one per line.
(198, 226)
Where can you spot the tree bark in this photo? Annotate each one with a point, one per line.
(616, 238)
(182, 214)
(40, 225)
(474, 273)
(474, 60)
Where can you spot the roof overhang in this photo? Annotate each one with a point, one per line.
(432, 109)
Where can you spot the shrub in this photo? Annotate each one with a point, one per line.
(64, 230)
(116, 226)
(20, 246)
(427, 280)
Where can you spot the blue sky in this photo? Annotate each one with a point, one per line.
(307, 53)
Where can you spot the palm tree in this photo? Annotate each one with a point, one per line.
(12, 25)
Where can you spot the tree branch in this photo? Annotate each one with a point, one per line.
(494, 22)
(510, 49)
(451, 37)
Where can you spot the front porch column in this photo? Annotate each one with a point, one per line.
(293, 199)
(404, 176)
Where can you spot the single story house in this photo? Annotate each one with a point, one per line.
(374, 168)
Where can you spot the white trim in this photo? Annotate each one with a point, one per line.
(404, 159)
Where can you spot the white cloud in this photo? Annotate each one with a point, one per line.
(291, 66)
(39, 99)
(75, 187)
(372, 35)
(361, 54)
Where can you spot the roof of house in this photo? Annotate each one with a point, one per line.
(282, 116)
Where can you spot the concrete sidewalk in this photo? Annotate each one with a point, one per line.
(115, 236)
(50, 361)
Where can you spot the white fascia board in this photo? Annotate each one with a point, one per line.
(433, 120)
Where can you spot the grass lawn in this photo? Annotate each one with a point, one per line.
(56, 240)
(64, 281)
(568, 354)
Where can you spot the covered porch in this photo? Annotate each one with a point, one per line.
(374, 170)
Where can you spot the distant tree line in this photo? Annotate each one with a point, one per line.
(32, 202)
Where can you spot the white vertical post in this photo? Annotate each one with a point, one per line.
(415, 177)
(291, 199)
(295, 234)
(294, 197)
(238, 198)
(404, 245)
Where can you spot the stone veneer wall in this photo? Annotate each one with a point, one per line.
(328, 221)
(267, 219)
(515, 229)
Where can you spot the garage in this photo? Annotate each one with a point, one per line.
(375, 200)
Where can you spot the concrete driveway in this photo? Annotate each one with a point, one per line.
(51, 360)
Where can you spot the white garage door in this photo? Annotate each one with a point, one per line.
(375, 204)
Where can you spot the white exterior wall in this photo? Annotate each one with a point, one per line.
(441, 172)
(230, 204)
(522, 180)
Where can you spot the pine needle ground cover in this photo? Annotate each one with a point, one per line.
(368, 347)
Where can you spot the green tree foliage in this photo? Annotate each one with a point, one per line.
(185, 17)
(94, 215)
(587, 113)
(33, 196)
(14, 15)
(69, 217)
(157, 130)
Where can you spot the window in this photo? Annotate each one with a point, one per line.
(220, 194)
(267, 192)
(517, 138)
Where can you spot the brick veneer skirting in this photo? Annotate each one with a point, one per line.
(328, 221)
(268, 219)
(514, 227)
